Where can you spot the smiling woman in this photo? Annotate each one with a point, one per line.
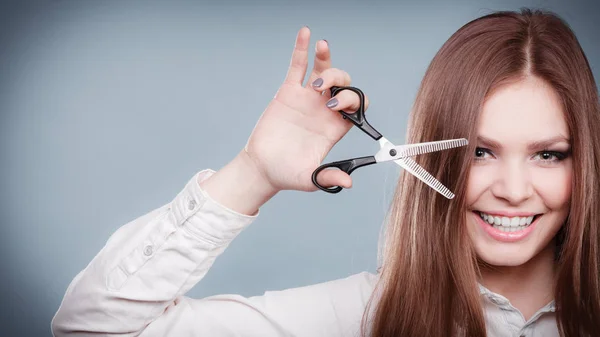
(515, 253)
(522, 229)
(519, 190)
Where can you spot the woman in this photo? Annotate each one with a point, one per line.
(515, 253)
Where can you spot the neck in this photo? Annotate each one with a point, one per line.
(528, 287)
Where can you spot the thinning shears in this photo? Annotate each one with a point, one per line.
(401, 155)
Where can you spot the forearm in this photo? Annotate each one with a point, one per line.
(146, 264)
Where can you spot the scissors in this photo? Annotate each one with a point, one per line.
(401, 155)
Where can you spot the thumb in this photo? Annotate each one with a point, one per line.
(331, 177)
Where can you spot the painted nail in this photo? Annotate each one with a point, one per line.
(332, 103)
(317, 83)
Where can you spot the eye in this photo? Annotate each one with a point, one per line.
(551, 156)
(480, 153)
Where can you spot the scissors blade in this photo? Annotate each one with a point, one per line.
(418, 171)
(411, 150)
(408, 164)
(388, 151)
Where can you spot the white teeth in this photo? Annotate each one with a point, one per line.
(509, 229)
(506, 223)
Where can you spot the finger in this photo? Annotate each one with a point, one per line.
(322, 60)
(299, 61)
(332, 177)
(331, 77)
(346, 100)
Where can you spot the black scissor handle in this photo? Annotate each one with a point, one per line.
(358, 117)
(347, 166)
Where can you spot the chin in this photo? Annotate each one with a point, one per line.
(501, 257)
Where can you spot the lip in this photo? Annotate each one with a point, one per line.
(499, 235)
(509, 214)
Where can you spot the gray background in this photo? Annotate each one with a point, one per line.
(109, 107)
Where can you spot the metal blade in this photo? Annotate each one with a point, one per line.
(408, 164)
(415, 169)
(411, 150)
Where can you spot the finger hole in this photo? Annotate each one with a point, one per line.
(332, 177)
(346, 100)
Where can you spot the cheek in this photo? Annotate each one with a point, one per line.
(554, 186)
(479, 180)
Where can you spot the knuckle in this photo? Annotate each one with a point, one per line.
(331, 74)
(343, 77)
(347, 78)
(335, 76)
(348, 99)
(326, 72)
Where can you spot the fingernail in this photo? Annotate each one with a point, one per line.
(332, 102)
(317, 83)
(326, 42)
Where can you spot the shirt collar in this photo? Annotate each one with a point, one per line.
(501, 300)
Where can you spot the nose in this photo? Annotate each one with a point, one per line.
(513, 183)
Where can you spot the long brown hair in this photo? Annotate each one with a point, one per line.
(428, 281)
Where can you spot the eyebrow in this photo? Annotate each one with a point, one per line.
(540, 144)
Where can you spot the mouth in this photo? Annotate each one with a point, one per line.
(508, 224)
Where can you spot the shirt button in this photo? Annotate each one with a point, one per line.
(192, 205)
(148, 250)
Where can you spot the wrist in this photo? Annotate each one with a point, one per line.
(239, 186)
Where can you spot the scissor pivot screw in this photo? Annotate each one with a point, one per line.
(392, 152)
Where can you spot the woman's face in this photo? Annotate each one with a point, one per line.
(520, 182)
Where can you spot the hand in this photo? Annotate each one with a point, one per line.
(297, 129)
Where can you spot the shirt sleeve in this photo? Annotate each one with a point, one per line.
(136, 284)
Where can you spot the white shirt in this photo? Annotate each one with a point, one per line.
(136, 286)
